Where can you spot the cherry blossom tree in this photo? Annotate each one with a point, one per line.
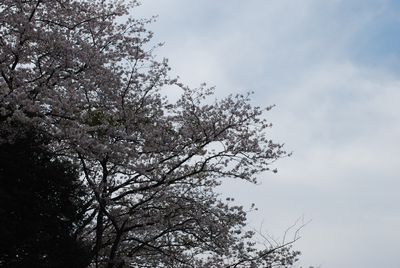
(84, 73)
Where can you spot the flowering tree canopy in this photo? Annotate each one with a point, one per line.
(83, 72)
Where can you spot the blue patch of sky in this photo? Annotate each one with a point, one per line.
(378, 43)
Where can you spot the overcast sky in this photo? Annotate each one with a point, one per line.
(332, 69)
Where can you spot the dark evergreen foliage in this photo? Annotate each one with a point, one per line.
(39, 207)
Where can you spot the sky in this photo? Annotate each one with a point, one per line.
(331, 67)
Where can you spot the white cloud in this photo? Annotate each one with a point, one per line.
(338, 115)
